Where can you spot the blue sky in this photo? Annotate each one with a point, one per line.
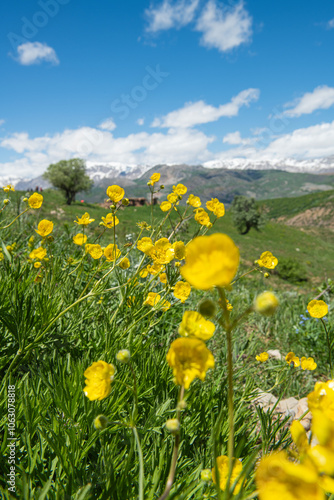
(168, 81)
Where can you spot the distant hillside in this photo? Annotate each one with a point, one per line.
(221, 183)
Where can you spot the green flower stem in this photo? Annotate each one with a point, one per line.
(245, 274)
(141, 464)
(172, 469)
(135, 393)
(24, 211)
(328, 346)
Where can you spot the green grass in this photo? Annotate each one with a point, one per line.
(289, 207)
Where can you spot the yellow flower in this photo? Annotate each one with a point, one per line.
(111, 252)
(155, 268)
(172, 198)
(165, 206)
(267, 260)
(229, 306)
(155, 178)
(277, 478)
(194, 201)
(79, 239)
(125, 263)
(216, 207)
(143, 273)
(195, 325)
(115, 193)
(165, 305)
(143, 225)
(35, 200)
(308, 363)
(299, 437)
(180, 189)
(39, 253)
(98, 380)
(108, 220)
(222, 464)
(317, 308)
(152, 299)
(210, 261)
(262, 357)
(1, 256)
(37, 264)
(182, 291)
(163, 278)
(322, 398)
(145, 245)
(8, 188)
(179, 250)
(322, 454)
(84, 220)
(45, 227)
(266, 303)
(31, 241)
(11, 248)
(94, 251)
(292, 358)
(202, 218)
(189, 359)
(162, 252)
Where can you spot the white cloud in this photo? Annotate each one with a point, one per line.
(35, 52)
(108, 124)
(140, 121)
(322, 97)
(2, 121)
(330, 24)
(199, 112)
(224, 28)
(174, 146)
(170, 15)
(234, 138)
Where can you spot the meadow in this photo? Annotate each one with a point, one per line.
(129, 351)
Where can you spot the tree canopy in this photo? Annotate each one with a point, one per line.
(246, 214)
(69, 176)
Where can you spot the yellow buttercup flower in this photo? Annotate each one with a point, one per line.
(202, 218)
(94, 251)
(162, 252)
(98, 380)
(322, 398)
(210, 261)
(189, 358)
(222, 464)
(195, 325)
(179, 250)
(143, 225)
(307, 363)
(109, 220)
(180, 189)
(172, 198)
(317, 308)
(155, 178)
(292, 358)
(39, 253)
(165, 305)
(267, 260)
(125, 263)
(115, 193)
(8, 188)
(37, 265)
(194, 201)
(152, 299)
(79, 239)
(266, 303)
(262, 357)
(35, 200)
(299, 437)
(111, 252)
(155, 268)
(215, 206)
(182, 290)
(84, 220)
(145, 245)
(163, 278)
(143, 272)
(277, 478)
(165, 206)
(212, 204)
(1, 256)
(44, 228)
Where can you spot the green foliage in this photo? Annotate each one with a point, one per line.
(291, 270)
(69, 176)
(246, 214)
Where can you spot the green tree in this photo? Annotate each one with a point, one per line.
(69, 176)
(246, 214)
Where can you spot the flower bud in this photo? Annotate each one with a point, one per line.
(123, 356)
(266, 303)
(173, 425)
(206, 475)
(266, 275)
(125, 202)
(6, 201)
(6, 189)
(162, 186)
(25, 200)
(207, 308)
(101, 422)
(182, 405)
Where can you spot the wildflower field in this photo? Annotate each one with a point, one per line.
(133, 351)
